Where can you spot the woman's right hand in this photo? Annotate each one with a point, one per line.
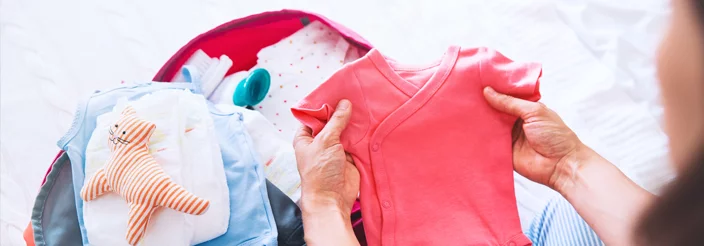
(544, 147)
(546, 151)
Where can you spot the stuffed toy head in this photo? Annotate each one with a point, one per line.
(129, 130)
(133, 173)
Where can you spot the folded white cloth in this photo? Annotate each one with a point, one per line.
(207, 72)
(185, 145)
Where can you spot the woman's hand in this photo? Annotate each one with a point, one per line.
(546, 151)
(329, 181)
(544, 146)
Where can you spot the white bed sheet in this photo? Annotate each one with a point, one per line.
(597, 57)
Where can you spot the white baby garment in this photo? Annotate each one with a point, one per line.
(298, 64)
(275, 154)
(185, 146)
(223, 94)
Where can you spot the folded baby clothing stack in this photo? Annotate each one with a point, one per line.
(207, 72)
(185, 146)
(205, 150)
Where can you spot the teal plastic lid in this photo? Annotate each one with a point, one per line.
(253, 89)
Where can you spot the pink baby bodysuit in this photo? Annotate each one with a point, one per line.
(435, 159)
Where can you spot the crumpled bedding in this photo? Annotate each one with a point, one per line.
(597, 55)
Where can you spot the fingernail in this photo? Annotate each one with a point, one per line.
(343, 104)
(489, 90)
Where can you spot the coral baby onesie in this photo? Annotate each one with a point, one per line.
(435, 159)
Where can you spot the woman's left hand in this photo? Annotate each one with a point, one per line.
(329, 181)
(328, 174)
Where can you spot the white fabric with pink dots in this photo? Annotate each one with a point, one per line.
(298, 64)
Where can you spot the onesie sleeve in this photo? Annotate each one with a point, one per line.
(518, 79)
(317, 107)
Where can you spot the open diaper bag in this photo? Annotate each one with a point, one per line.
(224, 175)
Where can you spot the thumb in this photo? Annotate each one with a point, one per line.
(337, 123)
(303, 137)
(508, 104)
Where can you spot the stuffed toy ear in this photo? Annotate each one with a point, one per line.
(129, 110)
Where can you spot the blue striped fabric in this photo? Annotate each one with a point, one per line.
(559, 224)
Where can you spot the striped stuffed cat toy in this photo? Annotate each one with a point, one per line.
(133, 173)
